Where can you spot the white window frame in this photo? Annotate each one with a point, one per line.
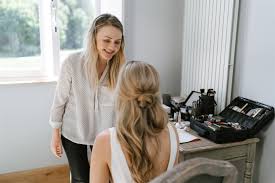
(49, 37)
(50, 44)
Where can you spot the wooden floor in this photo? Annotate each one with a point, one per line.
(54, 174)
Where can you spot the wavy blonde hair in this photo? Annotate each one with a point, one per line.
(91, 54)
(139, 116)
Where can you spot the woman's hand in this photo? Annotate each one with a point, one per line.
(56, 145)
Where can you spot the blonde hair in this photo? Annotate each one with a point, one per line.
(91, 54)
(139, 116)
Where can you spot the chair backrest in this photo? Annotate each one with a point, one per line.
(202, 168)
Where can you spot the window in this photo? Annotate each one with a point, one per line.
(73, 18)
(19, 38)
(36, 35)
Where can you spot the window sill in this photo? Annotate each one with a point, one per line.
(27, 80)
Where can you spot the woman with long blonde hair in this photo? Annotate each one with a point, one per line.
(83, 102)
(143, 145)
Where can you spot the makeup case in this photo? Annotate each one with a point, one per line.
(241, 119)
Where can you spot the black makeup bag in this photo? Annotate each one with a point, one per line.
(241, 119)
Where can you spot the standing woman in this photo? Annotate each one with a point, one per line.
(83, 102)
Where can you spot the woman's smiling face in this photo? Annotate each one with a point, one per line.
(108, 42)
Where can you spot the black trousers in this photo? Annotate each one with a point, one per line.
(78, 160)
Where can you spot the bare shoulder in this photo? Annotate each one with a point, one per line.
(103, 138)
(100, 158)
(101, 148)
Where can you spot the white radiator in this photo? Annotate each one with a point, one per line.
(209, 35)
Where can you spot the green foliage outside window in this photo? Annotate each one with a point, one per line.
(75, 21)
(19, 29)
(19, 26)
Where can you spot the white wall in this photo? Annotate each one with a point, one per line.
(153, 34)
(24, 130)
(255, 73)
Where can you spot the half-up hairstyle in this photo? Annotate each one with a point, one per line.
(91, 54)
(139, 116)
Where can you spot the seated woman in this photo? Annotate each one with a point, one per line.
(143, 144)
